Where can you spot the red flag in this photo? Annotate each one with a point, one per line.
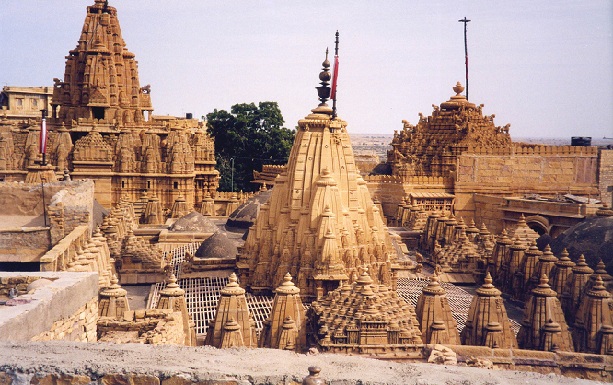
(334, 78)
(43, 135)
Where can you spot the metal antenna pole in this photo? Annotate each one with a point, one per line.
(465, 21)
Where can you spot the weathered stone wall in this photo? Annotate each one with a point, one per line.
(548, 172)
(152, 326)
(68, 302)
(26, 244)
(80, 326)
(489, 211)
(20, 284)
(576, 365)
(19, 199)
(605, 176)
(75, 202)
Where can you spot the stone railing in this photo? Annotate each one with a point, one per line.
(64, 252)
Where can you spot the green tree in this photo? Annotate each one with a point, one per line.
(247, 137)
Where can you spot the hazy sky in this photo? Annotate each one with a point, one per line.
(546, 67)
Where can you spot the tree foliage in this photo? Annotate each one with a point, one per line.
(252, 136)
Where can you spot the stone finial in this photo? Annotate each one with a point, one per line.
(113, 300)
(313, 378)
(288, 287)
(232, 288)
(172, 289)
(458, 89)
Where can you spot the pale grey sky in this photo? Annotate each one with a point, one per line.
(546, 67)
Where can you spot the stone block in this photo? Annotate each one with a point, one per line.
(62, 379)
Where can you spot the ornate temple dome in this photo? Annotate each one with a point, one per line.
(194, 222)
(244, 216)
(217, 245)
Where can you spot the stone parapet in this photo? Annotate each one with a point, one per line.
(576, 365)
(64, 252)
(67, 304)
(80, 326)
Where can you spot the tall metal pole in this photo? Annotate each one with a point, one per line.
(465, 21)
(335, 76)
(42, 189)
(232, 180)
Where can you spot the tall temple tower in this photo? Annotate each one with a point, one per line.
(320, 224)
(101, 127)
(101, 77)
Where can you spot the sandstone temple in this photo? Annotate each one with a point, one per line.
(472, 250)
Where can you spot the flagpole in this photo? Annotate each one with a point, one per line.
(335, 77)
(43, 136)
(465, 21)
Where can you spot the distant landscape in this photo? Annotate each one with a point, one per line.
(379, 144)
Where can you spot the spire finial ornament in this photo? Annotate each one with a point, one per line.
(323, 91)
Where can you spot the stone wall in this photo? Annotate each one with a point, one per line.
(390, 190)
(576, 365)
(548, 172)
(80, 326)
(489, 210)
(64, 304)
(151, 326)
(605, 177)
(23, 244)
(72, 206)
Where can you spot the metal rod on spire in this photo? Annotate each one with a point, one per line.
(465, 21)
(335, 77)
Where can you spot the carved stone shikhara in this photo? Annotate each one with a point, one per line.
(320, 223)
(454, 127)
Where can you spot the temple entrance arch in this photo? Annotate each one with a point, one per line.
(539, 224)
